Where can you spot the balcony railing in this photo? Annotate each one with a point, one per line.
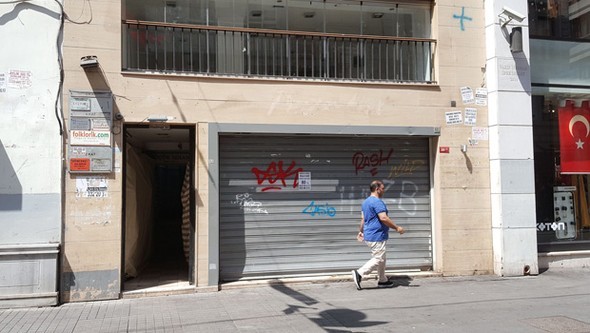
(180, 48)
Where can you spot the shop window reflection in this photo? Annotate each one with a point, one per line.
(562, 199)
(561, 19)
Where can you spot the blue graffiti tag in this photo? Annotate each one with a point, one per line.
(313, 209)
(462, 18)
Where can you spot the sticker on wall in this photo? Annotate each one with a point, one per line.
(454, 117)
(305, 181)
(470, 116)
(479, 133)
(19, 79)
(467, 95)
(79, 164)
(2, 82)
(91, 187)
(481, 96)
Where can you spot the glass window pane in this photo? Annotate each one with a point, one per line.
(571, 57)
(305, 15)
(377, 19)
(400, 20)
(563, 220)
(413, 21)
(343, 17)
(568, 19)
(274, 15)
(222, 13)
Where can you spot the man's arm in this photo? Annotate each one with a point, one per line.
(388, 222)
(362, 223)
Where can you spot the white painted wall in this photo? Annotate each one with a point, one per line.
(30, 153)
(30, 148)
(511, 144)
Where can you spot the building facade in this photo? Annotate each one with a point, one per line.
(213, 142)
(30, 153)
(194, 144)
(229, 141)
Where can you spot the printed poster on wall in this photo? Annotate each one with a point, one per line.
(91, 187)
(467, 95)
(481, 96)
(454, 117)
(479, 133)
(2, 82)
(18, 79)
(470, 116)
(304, 179)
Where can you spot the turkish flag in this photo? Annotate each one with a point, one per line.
(574, 138)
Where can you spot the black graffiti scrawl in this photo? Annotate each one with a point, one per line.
(360, 161)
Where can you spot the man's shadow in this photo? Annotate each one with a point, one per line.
(333, 320)
(398, 281)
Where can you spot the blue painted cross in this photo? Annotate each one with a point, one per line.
(462, 18)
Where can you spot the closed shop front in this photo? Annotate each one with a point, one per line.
(290, 204)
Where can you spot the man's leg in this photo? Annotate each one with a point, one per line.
(377, 260)
(381, 266)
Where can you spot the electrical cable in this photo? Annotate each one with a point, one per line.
(84, 6)
(61, 69)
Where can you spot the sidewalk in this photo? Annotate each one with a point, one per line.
(554, 301)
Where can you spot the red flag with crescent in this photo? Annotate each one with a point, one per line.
(574, 138)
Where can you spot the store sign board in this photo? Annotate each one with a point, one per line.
(79, 104)
(100, 124)
(82, 124)
(79, 164)
(98, 105)
(90, 159)
(90, 138)
(102, 164)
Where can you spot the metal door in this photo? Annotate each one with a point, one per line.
(290, 205)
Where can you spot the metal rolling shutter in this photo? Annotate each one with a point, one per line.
(273, 224)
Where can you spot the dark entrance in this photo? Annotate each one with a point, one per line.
(158, 208)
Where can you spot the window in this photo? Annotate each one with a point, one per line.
(562, 197)
(329, 40)
(561, 19)
(560, 75)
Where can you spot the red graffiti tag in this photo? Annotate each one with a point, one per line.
(361, 161)
(275, 172)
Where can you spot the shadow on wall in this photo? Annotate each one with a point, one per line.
(18, 8)
(11, 191)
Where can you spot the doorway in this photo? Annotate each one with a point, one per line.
(158, 208)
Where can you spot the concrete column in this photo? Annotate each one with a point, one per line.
(511, 143)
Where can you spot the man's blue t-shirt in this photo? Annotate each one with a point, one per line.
(374, 230)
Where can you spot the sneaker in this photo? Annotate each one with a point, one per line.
(356, 277)
(387, 284)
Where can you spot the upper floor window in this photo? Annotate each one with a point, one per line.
(318, 39)
(560, 19)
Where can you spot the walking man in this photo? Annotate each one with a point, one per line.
(374, 230)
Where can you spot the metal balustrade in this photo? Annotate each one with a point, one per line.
(180, 48)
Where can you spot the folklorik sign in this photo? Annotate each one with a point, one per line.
(90, 138)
